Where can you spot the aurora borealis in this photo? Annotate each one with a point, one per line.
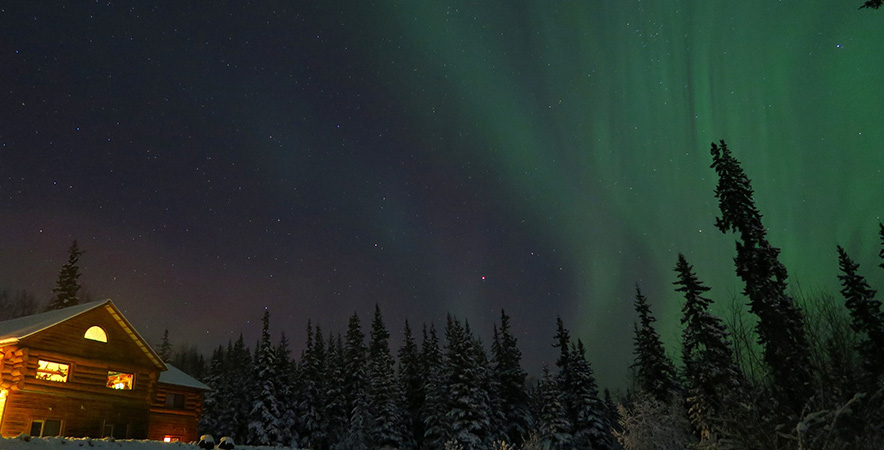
(432, 157)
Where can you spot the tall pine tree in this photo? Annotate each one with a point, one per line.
(310, 395)
(384, 396)
(354, 361)
(866, 317)
(654, 370)
(579, 394)
(780, 328)
(434, 409)
(554, 426)
(264, 424)
(714, 379)
(510, 383)
(165, 352)
(286, 375)
(468, 416)
(412, 385)
(591, 428)
(68, 284)
(214, 400)
(337, 414)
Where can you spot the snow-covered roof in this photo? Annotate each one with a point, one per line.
(12, 331)
(179, 378)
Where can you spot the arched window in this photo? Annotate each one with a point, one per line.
(96, 334)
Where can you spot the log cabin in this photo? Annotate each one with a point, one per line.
(84, 371)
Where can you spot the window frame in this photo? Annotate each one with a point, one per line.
(37, 373)
(120, 372)
(103, 337)
(42, 423)
(171, 403)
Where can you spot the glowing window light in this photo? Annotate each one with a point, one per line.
(120, 380)
(96, 333)
(52, 371)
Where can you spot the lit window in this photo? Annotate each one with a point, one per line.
(170, 438)
(52, 371)
(40, 428)
(120, 380)
(96, 334)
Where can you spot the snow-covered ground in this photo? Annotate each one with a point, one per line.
(56, 443)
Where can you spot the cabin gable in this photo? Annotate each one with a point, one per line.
(123, 347)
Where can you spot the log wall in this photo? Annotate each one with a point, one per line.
(84, 403)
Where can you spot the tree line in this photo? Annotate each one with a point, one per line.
(817, 381)
(795, 378)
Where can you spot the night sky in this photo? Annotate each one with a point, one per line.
(317, 158)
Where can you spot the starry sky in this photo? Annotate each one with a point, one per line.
(431, 157)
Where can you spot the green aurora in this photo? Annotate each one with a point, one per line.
(597, 119)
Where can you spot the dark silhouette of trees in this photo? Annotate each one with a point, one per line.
(412, 385)
(468, 418)
(383, 393)
(509, 378)
(554, 427)
(19, 303)
(714, 380)
(434, 409)
(780, 328)
(264, 423)
(165, 352)
(655, 372)
(866, 317)
(68, 285)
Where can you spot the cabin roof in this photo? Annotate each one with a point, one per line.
(12, 331)
(176, 377)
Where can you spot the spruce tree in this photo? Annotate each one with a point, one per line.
(357, 437)
(264, 424)
(510, 380)
(285, 381)
(337, 414)
(165, 353)
(713, 377)
(241, 388)
(226, 393)
(434, 409)
(486, 392)
(213, 399)
(611, 410)
(579, 393)
(866, 317)
(554, 427)
(354, 362)
(654, 370)
(412, 385)
(467, 417)
(310, 398)
(780, 328)
(590, 427)
(68, 284)
(384, 396)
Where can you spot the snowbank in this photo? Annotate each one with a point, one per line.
(56, 443)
